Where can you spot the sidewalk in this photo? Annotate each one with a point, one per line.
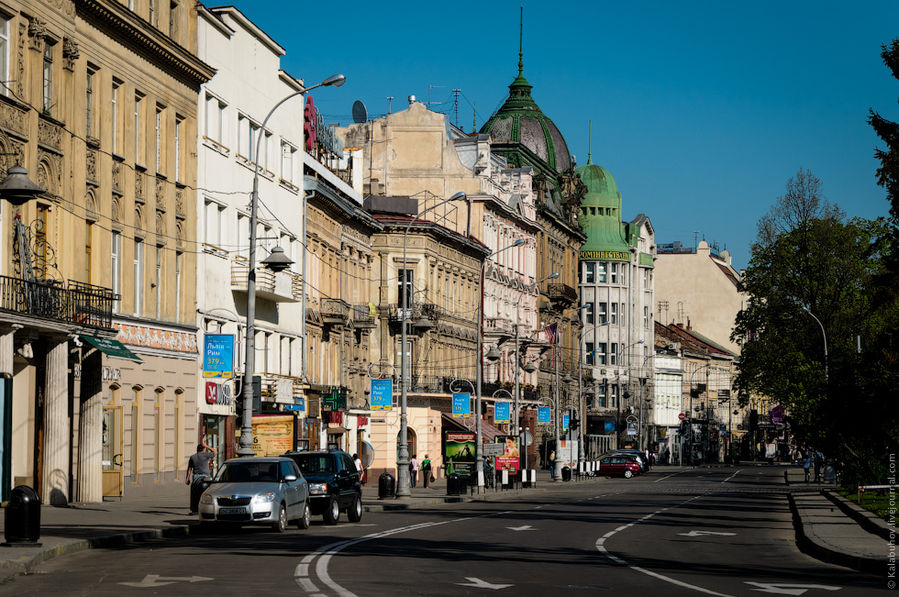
(84, 526)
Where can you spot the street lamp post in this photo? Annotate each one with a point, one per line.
(246, 431)
(690, 417)
(823, 333)
(479, 365)
(403, 486)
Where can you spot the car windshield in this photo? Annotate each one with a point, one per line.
(248, 472)
(315, 464)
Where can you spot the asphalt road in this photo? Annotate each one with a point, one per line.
(705, 531)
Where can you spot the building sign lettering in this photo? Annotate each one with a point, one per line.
(605, 256)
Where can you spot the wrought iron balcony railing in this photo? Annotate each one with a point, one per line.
(75, 303)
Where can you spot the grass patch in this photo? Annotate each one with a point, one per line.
(877, 502)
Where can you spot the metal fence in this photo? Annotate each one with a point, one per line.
(76, 303)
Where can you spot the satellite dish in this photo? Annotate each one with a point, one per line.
(360, 114)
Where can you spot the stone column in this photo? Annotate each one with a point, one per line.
(6, 350)
(55, 474)
(90, 430)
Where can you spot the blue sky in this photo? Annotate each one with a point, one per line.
(701, 110)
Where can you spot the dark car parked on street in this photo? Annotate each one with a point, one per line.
(334, 483)
(620, 465)
(636, 454)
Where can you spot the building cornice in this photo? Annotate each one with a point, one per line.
(133, 32)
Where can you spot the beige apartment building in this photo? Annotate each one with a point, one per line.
(101, 110)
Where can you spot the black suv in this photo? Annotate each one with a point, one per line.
(334, 484)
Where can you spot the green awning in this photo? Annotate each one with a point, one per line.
(110, 347)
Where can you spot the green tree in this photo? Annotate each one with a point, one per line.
(810, 264)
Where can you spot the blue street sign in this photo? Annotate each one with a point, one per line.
(461, 404)
(218, 355)
(564, 422)
(501, 412)
(543, 417)
(381, 394)
(295, 406)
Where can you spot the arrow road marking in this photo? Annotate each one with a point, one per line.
(786, 589)
(154, 580)
(526, 527)
(701, 533)
(481, 584)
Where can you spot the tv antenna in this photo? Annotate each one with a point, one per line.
(456, 93)
(389, 99)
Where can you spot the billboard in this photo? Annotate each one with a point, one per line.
(501, 412)
(272, 434)
(381, 394)
(543, 416)
(459, 452)
(461, 404)
(510, 460)
(218, 355)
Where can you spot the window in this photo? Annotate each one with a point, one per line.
(89, 104)
(613, 316)
(4, 52)
(215, 117)
(159, 258)
(243, 234)
(613, 390)
(138, 276)
(247, 134)
(287, 159)
(602, 267)
(590, 273)
(88, 251)
(624, 267)
(215, 218)
(159, 123)
(405, 281)
(179, 130)
(446, 294)
(601, 396)
(589, 315)
(613, 353)
(603, 312)
(601, 353)
(645, 318)
(613, 277)
(115, 115)
(116, 266)
(179, 258)
(154, 13)
(588, 352)
(47, 79)
(138, 110)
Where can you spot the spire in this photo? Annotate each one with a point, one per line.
(589, 141)
(520, 39)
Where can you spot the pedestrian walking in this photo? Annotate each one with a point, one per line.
(819, 460)
(358, 462)
(552, 464)
(806, 463)
(426, 471)
(413, 470)
(198, 464)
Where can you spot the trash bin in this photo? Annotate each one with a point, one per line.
(455, 484)
(386, 486)
(22, 523)
(566, 473)
(196, 491)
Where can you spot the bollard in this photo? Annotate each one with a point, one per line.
(566, 473)
(22, 521)
(386, 486)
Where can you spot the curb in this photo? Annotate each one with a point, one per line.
(865, 518)
(822, 552)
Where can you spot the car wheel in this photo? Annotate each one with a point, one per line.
(628, 474)
(354, 513)
(332, 512)
(281, 525)
(305, 520)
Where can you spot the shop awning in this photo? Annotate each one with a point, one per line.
(111, 347)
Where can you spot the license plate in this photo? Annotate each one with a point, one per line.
(232, 510)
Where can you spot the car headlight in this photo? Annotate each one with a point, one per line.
(206, 499)
(318, 488)
(265, 498)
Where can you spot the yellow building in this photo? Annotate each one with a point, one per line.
(102, 111)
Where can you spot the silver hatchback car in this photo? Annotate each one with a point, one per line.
(257, 491)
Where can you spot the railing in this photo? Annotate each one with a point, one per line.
(362, 316)
(335, 310)
(278, 287)
(557, 291)
(78, 303)
(494, 325)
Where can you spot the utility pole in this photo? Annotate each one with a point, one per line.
(389, 99)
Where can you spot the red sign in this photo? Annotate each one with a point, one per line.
(309, 116)
(212, 392)
(361, 421)
(681, 416)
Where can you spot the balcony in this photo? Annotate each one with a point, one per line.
(77, 303)
(362, 317)
(561, 293)
(335, 311)
(281, 287)
(500, 327)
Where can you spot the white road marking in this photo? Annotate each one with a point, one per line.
(668, 476)
(526, 527)
(481, 584)
(788, 589)
(701, 533)
(154, 580)
(732, 476)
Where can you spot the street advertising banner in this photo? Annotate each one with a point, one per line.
(218, 355)
(777, 415)
(609, 426)
(510, 460)
(631, 428)
(543, 416)
(501, 412)
(381, 394)
(461, 404)
(459, 452)
(564, 422)
(272, 434)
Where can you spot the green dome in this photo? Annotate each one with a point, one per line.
(601, 216)
(520, 120)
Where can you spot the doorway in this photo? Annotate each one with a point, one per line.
(113, 452)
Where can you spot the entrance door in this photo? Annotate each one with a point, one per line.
(113, 452)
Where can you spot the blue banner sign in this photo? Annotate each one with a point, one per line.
(461, 404)
(218, 355)
(296, 406)
(381, 394)
(609, 427)
(501, 412)
(543, 417)
(564, 422)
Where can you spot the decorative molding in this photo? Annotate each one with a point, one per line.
(90, 159)
(139, 335)
(49, 134)
(179, 205)
(116, 177)
(138, 185)
(37, 29)
(160, 224)
(160, 194)
(20, 60)
(70, 53)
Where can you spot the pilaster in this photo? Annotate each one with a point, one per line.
(90, 430)
(55, 473)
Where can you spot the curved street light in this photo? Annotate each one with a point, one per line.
(246, 430)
